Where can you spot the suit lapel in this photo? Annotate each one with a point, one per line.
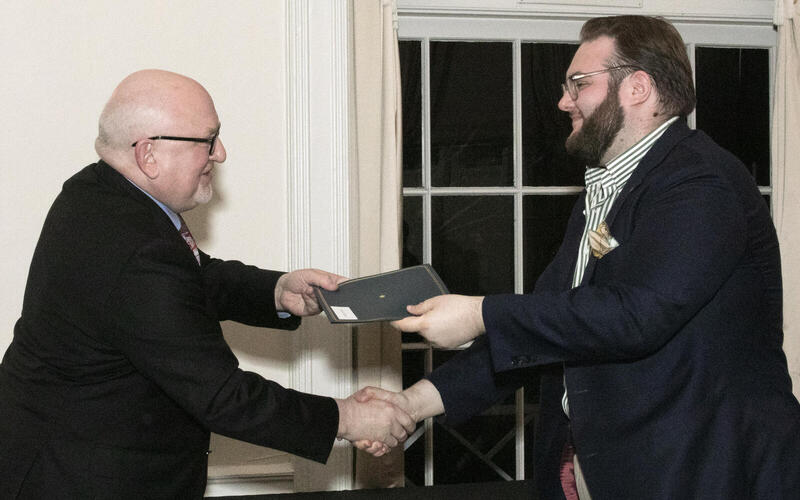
(676, 132)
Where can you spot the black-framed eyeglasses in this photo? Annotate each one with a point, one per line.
(572, 87)
(212, 141)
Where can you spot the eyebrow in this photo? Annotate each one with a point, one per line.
(215, 131)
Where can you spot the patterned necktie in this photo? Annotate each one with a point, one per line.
(187, 235)
(567, 472)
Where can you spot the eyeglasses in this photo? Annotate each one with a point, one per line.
(211, 142)
(572, 87)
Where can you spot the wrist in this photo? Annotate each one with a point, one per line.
(279, 291)
(424, 400)
(478, 315)
(341, 431)
(411, 403)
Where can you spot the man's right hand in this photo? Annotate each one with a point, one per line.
(376, 421)
(420, 401)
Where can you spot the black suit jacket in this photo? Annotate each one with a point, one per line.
(671, 347)
(118, 368)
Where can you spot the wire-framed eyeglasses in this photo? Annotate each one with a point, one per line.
(212, 141)
(572, 84)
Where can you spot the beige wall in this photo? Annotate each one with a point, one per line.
(60, 62)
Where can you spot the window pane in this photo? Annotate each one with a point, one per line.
(471, 114)
(733, 103)
(544, 223)
(473, 243)
(412, 231)
(545, 127)
(414, 456)
(455, 463)
(411, 82)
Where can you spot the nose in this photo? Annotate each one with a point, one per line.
(565, 103)
(219, 152)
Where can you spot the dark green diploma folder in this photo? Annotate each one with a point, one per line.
(380, 297)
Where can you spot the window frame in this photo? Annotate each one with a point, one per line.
(730, 33)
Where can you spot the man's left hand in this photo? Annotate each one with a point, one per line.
(446, 320)
(294, 292)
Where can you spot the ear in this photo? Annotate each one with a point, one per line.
(146, 158)
(639, 88)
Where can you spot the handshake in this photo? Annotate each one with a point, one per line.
(376, 420)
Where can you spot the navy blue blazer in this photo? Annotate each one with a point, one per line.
(671, 347)
(118, 369)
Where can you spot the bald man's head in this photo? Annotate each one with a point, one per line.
(161, 131)
(145, 103)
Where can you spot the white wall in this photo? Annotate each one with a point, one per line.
(61, 62)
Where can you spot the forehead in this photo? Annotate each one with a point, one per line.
(196, 111)
(591, 56)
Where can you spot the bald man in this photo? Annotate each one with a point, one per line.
(118, 370)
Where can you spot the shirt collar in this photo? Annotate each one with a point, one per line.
(175, 218)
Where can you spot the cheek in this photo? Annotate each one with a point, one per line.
(186, 185)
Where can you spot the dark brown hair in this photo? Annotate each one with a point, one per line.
(654, 46)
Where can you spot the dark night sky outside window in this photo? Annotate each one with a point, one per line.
(411, 88)
(472, 135)
(545, 162)
(733, 103)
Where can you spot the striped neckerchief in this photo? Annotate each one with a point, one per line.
(603, 185)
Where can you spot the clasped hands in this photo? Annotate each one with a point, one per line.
(418, 402)
(446, 321)
(374, 424)
(373, 419)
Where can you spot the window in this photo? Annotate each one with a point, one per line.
(733, 104)
(488, 187)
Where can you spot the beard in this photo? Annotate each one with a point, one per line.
(203, 194)
(205, 190)
(591, 142)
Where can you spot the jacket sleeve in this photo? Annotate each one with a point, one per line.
(243, 293)
(468, 383)
(681, 244)
(168, 331)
